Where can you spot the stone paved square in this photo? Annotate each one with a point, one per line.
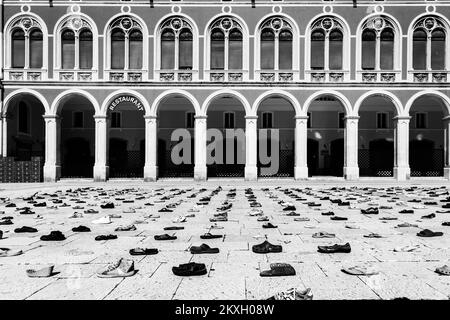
(233, 273)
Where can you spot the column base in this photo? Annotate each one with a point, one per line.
(301, 173)
(351, 173)
(101, 173)
(447, 173)
(251, 173)
(150, 173)
(52, 173)
(402, 173)
(200, 173)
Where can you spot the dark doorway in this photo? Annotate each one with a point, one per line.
(425, 159)
(313, 157)
(122, 162)
(337, 157)
(381, 158)
(77, 159)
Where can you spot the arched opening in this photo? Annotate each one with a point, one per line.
(376, 131)
(126, 132)
(226, 138)
(326, 125)
(276, 138)
(77, 142)
(427, 137)
(25, 140)
(176, 123)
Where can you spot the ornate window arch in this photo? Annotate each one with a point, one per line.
(227, 47)
(76, 47)
(328, 41)
(429, 43)
(26, 40)
(379, 48)
(176, 44)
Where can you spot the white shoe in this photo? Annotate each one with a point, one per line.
(102, 220)
(180, 219)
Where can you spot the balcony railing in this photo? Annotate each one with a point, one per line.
(327, 75)
(76, 75)
(377, 76)
(226, 75)
(126, 75)
(26, 74)
(276, 75)
(436, 76)
(177, 75)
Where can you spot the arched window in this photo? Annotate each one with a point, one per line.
(76, 44)
(68, 49)
(126, 44)
(327, 38)
(18, 48)
(276, 44)
(226, 45)
(429, 42)
(176, 44)
(26, 44)
(377, 44)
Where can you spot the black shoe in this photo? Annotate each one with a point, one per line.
(266, 247)
(339, 218)
(53, 236)
(25, 229)
(106, 237)
(337, 248)
(269, 226)
(190, 269)
(81, 229)
(108, 205)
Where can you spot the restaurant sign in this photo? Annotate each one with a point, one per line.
(126, 98)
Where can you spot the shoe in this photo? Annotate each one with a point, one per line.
(289, 208)
(53, 236)
(406, 248)
(25, 229)
(278, 270)
(360, 271)
(323, 235)
(293, 294)
(269, 226)
(372, 235)
(6, 222)
(329, 213)
(6, 252)
(143, 251)
(174, 228)
(106, 237)
(302, 219)
(91, 211)
(81, 229)
(262, 219)
(443, 271)
(406, 211)
(429, 216)
(337, 248)
(428, 233)
(446, 223)
(164, 237)
(190, 269)
(108, 205)
(130, 227)
(102, 220)
(266, 247)
(210, 236)
(371, 210)
(407, 225)
(122, 268)
(292, 214)
(204, 248)
(41, 273)
(336, 218)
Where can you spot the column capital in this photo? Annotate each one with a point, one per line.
(351, 117)
(446, 118)
(301, 117)
(200, 117)
(251, 117)
(100, 116)
(151, 117)
(50, 116)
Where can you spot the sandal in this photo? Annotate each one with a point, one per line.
(190, 269)
(210, 236)
(165, 237)
(266, 247)
(204, 248)
(143, 251)
(278, 270)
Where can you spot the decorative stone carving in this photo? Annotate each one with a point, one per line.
(135, 76)
(85, 76)
(268, 77)
(387, 77)
(66, 76)
(318, 77)
(285, 76)
(216, 76)
(235, 76)
(369, 77)
(167, 76)
(116, 76)
(421, 77)
(439, 77)
(185, 77)
(16, 76)
(336, 76)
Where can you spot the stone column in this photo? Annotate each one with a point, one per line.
(301, 151)
(1, 134)
(101, 168)
(401, 163)
(151, 148)
(351, 169)
(4, 142)
(446, 121)
(52, 166)
(200, 169)
(251, 148)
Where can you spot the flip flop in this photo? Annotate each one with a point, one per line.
(428, 233)
(278, 270)
(323, 234)
(293, 294)
(164, 237)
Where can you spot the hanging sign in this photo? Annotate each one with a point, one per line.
(126, 98)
